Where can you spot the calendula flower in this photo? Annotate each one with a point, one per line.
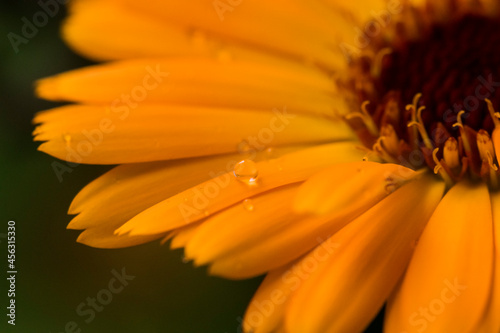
(347, 149)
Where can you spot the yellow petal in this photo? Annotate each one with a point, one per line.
(342, 292)
(301, 30)
(198, 82)
(447, 284)
(491, 322)
(266, 309)
(103, 236)
(103, 135)
(128, 189)
(226, 190)
(183, 235)
(496, 140)
(272, 234)
(343, 184)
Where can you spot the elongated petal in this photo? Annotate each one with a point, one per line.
(491, 321)
(273, 234)
(344, 291)
(100, 135)
(226, 190)
(103, 236)
(128, 189)
(200, 82)
(301, 30)
(447, 285)
(341, 185)
(496, 140)
(266, 309)
(103, 83)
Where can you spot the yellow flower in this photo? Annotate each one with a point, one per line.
(348, 149)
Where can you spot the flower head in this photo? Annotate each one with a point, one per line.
(347, 150)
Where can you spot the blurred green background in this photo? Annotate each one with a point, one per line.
(56, 274)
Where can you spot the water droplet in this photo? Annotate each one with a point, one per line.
(67, 139)
(246, 171)
(248, 204)
(270, 153)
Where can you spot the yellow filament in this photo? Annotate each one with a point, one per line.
(413, 108)
(439, 169)
(379, 148)
(494, 115)
(421, 128)
(463, 134)
(493, 171)
(367, 119)
(377, 67)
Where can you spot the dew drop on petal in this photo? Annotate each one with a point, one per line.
(270, 153)
(246, 171)
(67, 139)
(248, 205)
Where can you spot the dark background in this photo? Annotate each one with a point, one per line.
(56, 274)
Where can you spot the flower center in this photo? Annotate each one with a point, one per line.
(428, 100)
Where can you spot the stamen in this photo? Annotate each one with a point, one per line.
(381, 150)
(484, 145)
(421, 128)
(413, 108)
(439, 169)
(493, 172)
(450, 154)
(377, 64)
(494, 115)
(463, 134)
(391, 111)
(390, 139)
(367, 119)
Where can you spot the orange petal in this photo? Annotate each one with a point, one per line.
(266, 309)
(304, 30)
(447, 284)
(342, 292)
(344, 184)
(226, 190)
(100, 135)
(272, 234)
(201, 82)
(491, 322)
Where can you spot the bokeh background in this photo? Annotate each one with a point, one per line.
(56, 274)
